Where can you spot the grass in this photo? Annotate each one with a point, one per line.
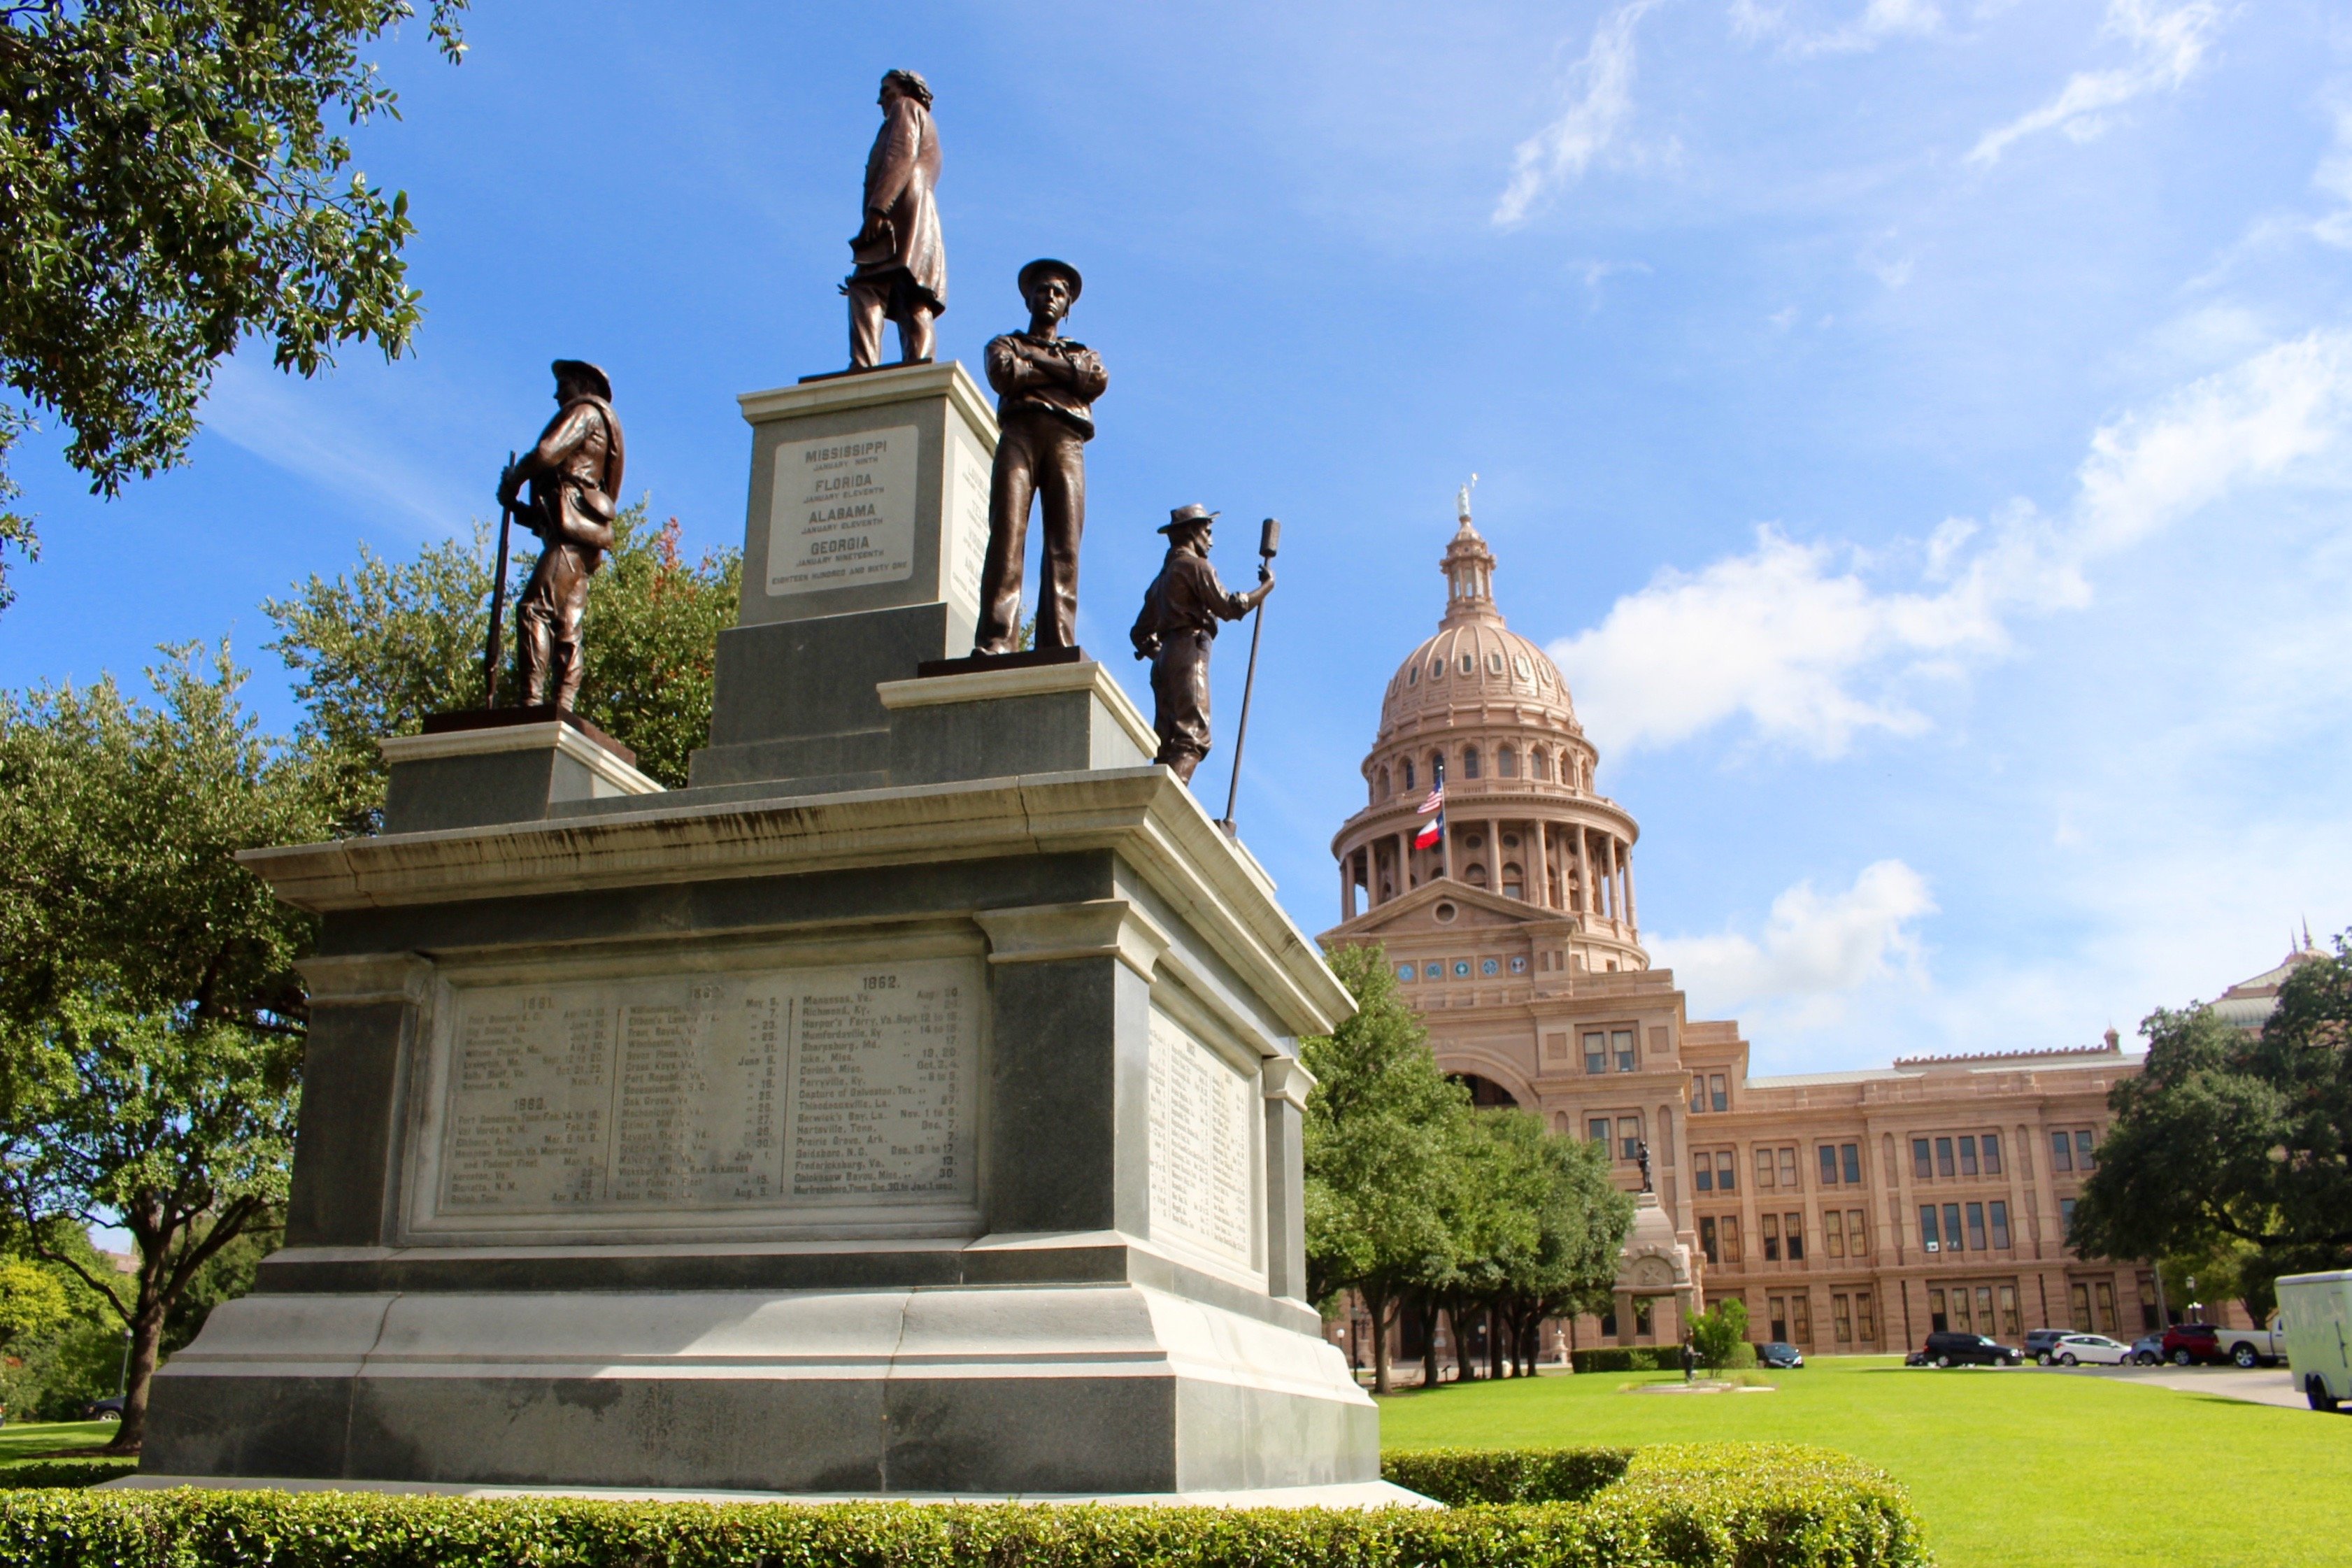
(25, 1440)
(2006, 1468)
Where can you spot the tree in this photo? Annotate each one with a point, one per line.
(150, 1018)
(168, 186)
(1383, 1131)
(1579, 1222)
(1720, 1334)
(2227, 1137)
(375, 650)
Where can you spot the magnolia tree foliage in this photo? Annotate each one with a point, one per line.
(376, 650)
(150, 1016)
(2232, 1145)
(171, 184)
(1412, 1194)
(1719, 1335)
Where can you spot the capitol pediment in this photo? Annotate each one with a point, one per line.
(1446, 906)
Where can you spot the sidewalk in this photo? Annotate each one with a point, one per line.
(2259, 1385)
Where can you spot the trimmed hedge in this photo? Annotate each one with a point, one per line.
(64, 1472)
(1713, 1506)
(1629, 1358)
(1460, 1477)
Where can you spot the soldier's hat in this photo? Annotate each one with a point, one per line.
(1192, 516)
(586, 374)
(1045, 266)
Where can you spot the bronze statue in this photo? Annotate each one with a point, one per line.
(1045, 388)
(1179, 622)
(902, 260)
(575, 473)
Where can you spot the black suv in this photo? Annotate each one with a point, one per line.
(1962, 1349)
(2042, 1344)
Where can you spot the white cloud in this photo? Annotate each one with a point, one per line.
(1560, 153)
(1814, 948)
(2167, 46)
(1798, 639)
(1879, 21)
(2334, 176)
(292, 425)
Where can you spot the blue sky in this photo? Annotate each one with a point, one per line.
(1921, 429)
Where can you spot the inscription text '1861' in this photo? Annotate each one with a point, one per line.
(769, 1090)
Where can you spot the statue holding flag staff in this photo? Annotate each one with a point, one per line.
(1176, 629)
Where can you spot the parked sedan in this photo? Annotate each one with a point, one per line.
(2042, 1344)
(1780, 1355)
(1944, 1349)
(2148, 1350)
(2096, 1349)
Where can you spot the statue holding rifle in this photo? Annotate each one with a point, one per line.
(575, 474)
(1178, 626)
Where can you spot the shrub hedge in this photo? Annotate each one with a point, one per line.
(1629, 1358)
(1713, 1506)
(64, 1472)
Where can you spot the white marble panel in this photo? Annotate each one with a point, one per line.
(843, 514)
(1205, 1148)
(734, 1100)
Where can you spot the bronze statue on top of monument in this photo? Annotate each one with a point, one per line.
(1046, 387)
(1176, 628)
(902, 260)
(574, 471)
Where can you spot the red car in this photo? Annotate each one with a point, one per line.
(2188, 1344)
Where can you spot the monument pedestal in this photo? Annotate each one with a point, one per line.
(939, 1136)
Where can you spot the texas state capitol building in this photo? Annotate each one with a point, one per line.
(1852, 1211)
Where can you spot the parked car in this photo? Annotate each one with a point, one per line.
(2193, 1344)
(2096, 1349)
(2315, 1310)
(1965, 1350)
(107, 1409)
(2148, 1350)
(2042, 1344)
(2253, 1347)
(1780, 1355)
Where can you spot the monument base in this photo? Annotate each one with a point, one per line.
(1346, 1494)
(1098, 1391)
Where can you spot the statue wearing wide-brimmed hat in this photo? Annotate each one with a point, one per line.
(575, 472)
(1045, 388)
(1176, 629)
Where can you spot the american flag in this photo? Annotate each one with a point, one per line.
(1436, 801)
(1434, 828)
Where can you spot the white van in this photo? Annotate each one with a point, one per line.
(2316, 1311)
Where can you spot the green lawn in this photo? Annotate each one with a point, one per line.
(2006, 1467)
(23, 1440)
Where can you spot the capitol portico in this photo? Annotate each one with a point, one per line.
(1852, 1211)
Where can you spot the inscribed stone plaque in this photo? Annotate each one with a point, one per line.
(844, 511)
(965, 525)
(750, 1095)
(1202, 1153)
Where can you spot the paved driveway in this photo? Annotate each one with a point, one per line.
(2261, 1385)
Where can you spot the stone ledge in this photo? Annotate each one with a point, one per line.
(1339, 1494)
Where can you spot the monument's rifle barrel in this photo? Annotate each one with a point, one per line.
(497, 596)
(1269, 541)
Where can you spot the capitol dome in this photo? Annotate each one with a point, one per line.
(1525, 827)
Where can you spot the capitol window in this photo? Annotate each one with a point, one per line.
(1413, 675)
(1469, 762)
(1507, 764)
(1436, 669)
(1539, 764)
(1469, 664)
(1408, 772)
(1493, 664)
(1520, 664)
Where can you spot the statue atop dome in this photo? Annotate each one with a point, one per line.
(1461, 500)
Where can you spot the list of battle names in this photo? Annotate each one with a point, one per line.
(1201, 1145)
(807, 1087)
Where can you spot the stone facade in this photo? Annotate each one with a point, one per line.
(1852, 1211)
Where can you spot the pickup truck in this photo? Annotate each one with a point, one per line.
(2265, 1346)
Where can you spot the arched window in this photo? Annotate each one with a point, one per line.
(1469, 762)
(1469, 664)
(1408, 772)
(1540, 763)
(1437, 767)
(1507, 764)
(1514, 881)
(1477, 874)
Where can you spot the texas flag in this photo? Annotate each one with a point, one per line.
(1434, 828)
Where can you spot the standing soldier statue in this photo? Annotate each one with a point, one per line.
(902, 260)
(575, 473)
(1181, 612)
